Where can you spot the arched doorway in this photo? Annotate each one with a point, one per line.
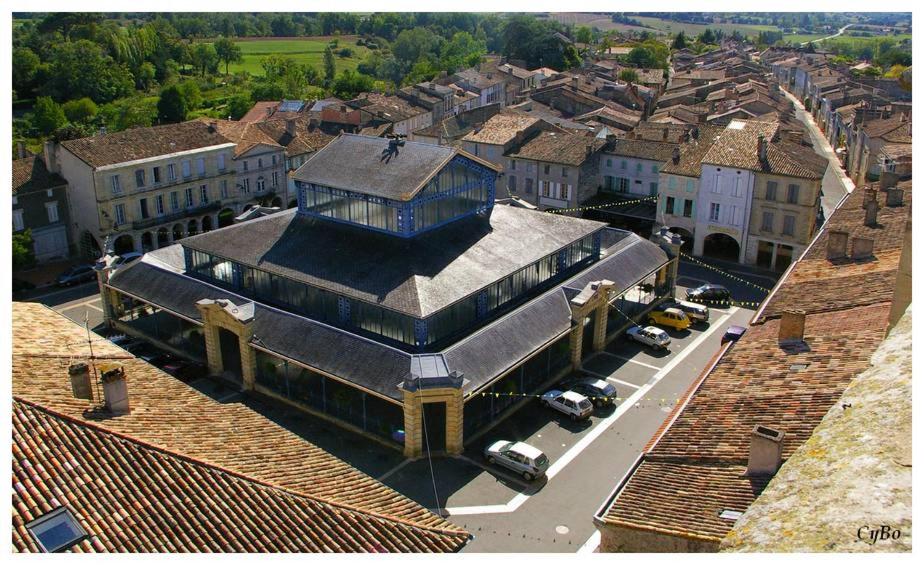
(721, 246)
(687, 237)
(147, 242)
(177, 232)
(225, 217)
(192, 228)
(123, 244)
(293, 203)
(276, 203)
(163, 238)
(90, 247)
(206, 223)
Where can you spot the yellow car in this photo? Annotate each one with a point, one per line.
(670, 317)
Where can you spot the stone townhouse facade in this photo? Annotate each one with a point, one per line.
(633, 167)
(144, 188)
(40, 204)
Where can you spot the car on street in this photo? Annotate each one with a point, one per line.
(76, 275)
(598, 391)
(696, 312)
(710, 294)
(574, 405)
(522, 458)
(653, 337)
(670, 317)
(126, 258)
(733, 333)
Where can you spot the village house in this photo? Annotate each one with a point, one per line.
(40, 204)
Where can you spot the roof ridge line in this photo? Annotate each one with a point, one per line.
(237, 474)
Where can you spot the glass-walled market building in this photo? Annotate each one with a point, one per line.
(449, 322)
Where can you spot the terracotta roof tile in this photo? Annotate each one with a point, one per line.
(501, 128)
(172, 416)
(30, 174)
(557, 147)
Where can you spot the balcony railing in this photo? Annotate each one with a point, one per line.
(182, 214)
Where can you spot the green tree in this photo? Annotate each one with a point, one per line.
(191, 94)
(228, 51)
(584, 35)
(81, 110)
(145, 75)
(641, 57)
(267, 91)
(350, 84)
(680, 41)
(708, 37)
(80, 68)
(330, 67)
(48, 115)
(413, 44)
(204, 58)
(25, 66)
(461, 51)
(238, 105)
(171, 108)
(628, 75)
(23, 253)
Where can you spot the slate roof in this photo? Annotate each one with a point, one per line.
(140, 498)
(372, 170)
(354, 512)
(30, 175)
(417, 277)
(558, 147)
(694, 467)
(145, 143)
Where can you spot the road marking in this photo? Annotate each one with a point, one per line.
(591, 544)
(57, 292)
(597, 430)
(634, 361)
(394, 470)
(496, 471)
(624, 383)
(89, 303)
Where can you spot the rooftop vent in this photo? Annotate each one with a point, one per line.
(766, 452)
(872, 212)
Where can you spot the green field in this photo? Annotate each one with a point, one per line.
(309, 50)
(797, 38)
(668, 26)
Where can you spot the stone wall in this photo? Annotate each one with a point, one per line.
(615, 539)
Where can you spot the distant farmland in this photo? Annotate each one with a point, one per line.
(304, 50)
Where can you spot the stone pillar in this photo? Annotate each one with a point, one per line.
(577, 343)
(224, 314)
(600, 320)
(419, 390)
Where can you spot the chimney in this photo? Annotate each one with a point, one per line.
(213, 126)
(80, 381)
(664, 133)
(290, 127)
(51, 158)
(762, 147)
(861, 248)
(837, 244)
(313, 123)
(115, 388)
(21, 149)
(887, 180)
(792, 326)
(675, 155)
(872, 211)
(766, 453)
(894, 197)
(574, 83)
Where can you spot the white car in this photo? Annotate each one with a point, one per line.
(574, 404)
(653, 337)
(126, 258)
(519, 457)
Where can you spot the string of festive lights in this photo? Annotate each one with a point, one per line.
(662, 401)
(602, 206)
(727, 274)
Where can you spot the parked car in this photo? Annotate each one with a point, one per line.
(597, 391)
(76, 275)
(653, 337)
(575, 405)
(733, 333)
(696, 312)
(184, 370)
(519, 457)
(126, 258)
(709, 293)
(670, 317)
